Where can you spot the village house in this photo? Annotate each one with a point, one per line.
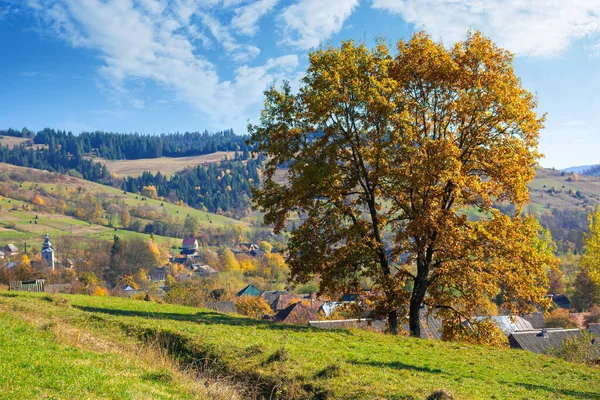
(10, 250)
(295, 314)
(2, 255)
(249, 290)
(158, 274)
(204, 271)
(189, 246)
(541, 341)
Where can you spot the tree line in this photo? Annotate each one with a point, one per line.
(121, 146)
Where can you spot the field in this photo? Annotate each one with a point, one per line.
(165, 165)
(24, 227)
(11, 142)
(284, 361)
(543, 198)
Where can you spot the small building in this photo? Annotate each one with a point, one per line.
(158, 274)
(48, 252)
(189, 246)
(10, 250)
(249, 290)
(2, 255)
(541, 341)
(295, 314)
(205, 271)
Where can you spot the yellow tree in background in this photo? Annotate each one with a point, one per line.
(386, 154)
(590, 261)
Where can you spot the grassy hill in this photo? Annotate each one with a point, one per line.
(15, 221)
(284, 361)
(556, 189)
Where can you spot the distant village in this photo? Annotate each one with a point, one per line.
(534, 332)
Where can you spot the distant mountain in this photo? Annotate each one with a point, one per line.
(579, 169)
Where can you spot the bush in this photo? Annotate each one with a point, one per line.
(579, 350)
(560, 318)
(255, 307)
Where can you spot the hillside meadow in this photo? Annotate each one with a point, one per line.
(17, 223)
(296, 362)
(167, 166)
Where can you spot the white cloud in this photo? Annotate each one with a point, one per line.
(247, 17)
(308, 23)
(525, 27)
(164, 42)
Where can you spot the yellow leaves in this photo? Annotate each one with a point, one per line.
(149, 191)
(591, 259)
(37, 199)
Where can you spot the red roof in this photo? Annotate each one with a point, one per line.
(189, 241)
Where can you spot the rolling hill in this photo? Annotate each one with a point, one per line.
(270, 360)
(17, 222)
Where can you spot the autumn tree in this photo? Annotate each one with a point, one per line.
(588, 278)
(149, 191)
(385, 154)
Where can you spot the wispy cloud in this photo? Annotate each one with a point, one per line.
(526, 27)
(165, 42)
(246, 18)
(308, 23)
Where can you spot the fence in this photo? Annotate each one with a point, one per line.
(28, 286)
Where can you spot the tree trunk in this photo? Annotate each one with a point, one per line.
(416, 299)
(393, 321)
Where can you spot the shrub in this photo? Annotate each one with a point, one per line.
(560, 318)
(255, 307)
(579, 350)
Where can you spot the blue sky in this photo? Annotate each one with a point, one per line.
(154, 66)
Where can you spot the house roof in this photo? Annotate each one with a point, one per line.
(249, 290)
(509, 323)
(11, 248)
(205, 268)
(594, 329)
(541, 341)
(189, 241)
(1, 253)
(536, 320)
(295, 314)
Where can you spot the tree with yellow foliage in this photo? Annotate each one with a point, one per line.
(149, 191)
(229, 262)
(590, 261)
(385, 153)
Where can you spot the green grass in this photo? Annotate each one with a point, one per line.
(173, 210)
(34, 365)
(299, 362)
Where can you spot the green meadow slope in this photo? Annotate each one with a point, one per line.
(296, 362)
(16, 223)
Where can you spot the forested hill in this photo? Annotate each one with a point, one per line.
(219, 187)
(119, 146)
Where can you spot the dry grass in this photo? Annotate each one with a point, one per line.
(166, 165)
(11, 142)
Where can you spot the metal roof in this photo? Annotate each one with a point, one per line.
(541, 341)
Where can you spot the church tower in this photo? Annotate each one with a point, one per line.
(48, 252)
